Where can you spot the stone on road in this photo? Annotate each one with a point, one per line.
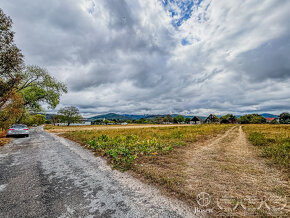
(48, 176)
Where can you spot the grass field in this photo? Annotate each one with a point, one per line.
(272, 140)
(124, 146)
(183, 161)
(61, 129)
(152, 154)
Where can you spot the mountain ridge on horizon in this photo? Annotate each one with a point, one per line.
(111, 116)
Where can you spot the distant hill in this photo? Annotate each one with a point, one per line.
(269, 115)
(110, 116)
(134, 117)
(114, 116)
(265, 115)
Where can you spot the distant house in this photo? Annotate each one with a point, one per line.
(269, 120)
(196, 120)
(212, 119)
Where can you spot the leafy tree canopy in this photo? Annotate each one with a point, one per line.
(70, 115)
(38, 87)
(229, 118)
(252, 118)
(284, 117)
(187, 120)
(22, 89)
(11, 61)
(178, 119)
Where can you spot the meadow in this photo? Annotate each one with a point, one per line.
(123, 146)
(273, 141)
(185, 160)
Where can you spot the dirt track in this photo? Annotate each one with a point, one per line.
(229, 169)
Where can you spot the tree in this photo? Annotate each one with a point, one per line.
(38, 86)
(169, 118)
(12, 111)
(229, 118)
(56, 118)
(70, 115)
(178, 119)
(245, 119)
(284, 118)
(158, 120)
(257, 119)
(251, 118)
(274, 121)
(22, 89)
(31, 119)
(11, 61)
(187, 120)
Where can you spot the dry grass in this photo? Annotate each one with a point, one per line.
(3, 139)
(217, 159)
(165, 169)
(124, 145)
(62, 129)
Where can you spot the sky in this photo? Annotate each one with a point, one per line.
(191, 57)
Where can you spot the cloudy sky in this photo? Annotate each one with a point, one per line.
(160, 56)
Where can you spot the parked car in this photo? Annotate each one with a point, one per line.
(18, 130)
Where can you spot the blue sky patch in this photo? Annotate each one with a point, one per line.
(184, 42)
(186, 8)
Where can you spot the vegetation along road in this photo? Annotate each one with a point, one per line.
(48, 176)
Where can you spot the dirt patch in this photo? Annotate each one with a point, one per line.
(229, 168)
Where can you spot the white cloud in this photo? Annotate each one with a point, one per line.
(127, 56)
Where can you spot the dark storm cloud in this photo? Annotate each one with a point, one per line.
(270, 61)
(128, 57)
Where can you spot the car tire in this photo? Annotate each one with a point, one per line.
(27, 135)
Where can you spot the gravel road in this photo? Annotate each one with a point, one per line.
(48, 176)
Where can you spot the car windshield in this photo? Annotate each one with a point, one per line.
(19, 126)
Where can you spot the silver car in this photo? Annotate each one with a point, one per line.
(18, 130)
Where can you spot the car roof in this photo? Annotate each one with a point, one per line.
(19, 125)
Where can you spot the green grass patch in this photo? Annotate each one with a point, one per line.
(124, 146)
(274, 141)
